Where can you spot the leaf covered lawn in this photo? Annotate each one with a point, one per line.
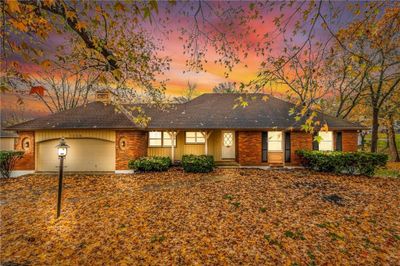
(231, 216)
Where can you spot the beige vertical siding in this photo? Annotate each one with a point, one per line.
(7, 144)
(43, 135)
(215, 144)
(153, 151)
(214, 147)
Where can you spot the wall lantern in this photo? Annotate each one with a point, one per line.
(62, 149)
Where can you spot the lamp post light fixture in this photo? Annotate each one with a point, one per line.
(62, 149)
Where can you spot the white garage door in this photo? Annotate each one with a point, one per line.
(83, 155)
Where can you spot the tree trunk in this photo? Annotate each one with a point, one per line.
(393, 150)
(375, 127)
(387, 137)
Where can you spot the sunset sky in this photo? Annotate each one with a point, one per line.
(178, 75)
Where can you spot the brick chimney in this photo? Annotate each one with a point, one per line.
(103, 96)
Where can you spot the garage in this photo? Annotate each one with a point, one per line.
(83, 155)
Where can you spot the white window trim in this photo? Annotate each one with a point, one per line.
(162, 140)
(198, 134)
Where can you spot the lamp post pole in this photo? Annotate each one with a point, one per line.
(62, 148)
(60, 184)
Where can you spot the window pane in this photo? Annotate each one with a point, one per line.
(190, 140)
(155, 135)
(190, 134)
(166, 136)
(155, 142)
(274, 146)
(200, 139)
(154, 138)
(274, 135)
(167, 142)
(274, 141)
(326, 135)
(228, 139)
(326, 143)
(326, 146)
(194, 137)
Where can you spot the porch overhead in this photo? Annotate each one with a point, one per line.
(212, 145)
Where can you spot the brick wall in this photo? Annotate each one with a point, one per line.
(249, 147)
(302, 140)
(299, 140)
(136, 146)
(27, 162)
(349, 140)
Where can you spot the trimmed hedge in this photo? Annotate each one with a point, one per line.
(151, 164)
(363, 163)
(8, 160)
(198, 163)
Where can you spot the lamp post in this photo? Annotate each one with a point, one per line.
(62, 148)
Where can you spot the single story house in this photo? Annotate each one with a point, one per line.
(7, 140)
(103, 139)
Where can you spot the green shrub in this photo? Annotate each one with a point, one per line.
(198, 163)
(151, 164)
(363, 163)
(8, 160)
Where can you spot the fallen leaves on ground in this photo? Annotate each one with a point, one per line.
(393, 166)
(230, 216)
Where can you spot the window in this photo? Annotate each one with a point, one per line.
(326, 143)
(160, 139)
(167, 140)
(155, 139)
(274, 141)
(194, 138)
(228, 139)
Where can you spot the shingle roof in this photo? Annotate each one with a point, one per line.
(92, 115)
(208, 111)
(8, 134)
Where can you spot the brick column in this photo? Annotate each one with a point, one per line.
(27, 162)
(136, 146)
(299, 140)
(249, 147)
(349, 140)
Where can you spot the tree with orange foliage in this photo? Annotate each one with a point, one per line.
(377, 52)
(105, 37)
